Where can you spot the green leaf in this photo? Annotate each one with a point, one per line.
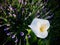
(41, 42)
(33, 37)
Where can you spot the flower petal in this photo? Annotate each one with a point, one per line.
(35, 23)
(34, 29)
(46, 23)
(43, 34)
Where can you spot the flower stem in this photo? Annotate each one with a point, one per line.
(27, 43)
(20, 42)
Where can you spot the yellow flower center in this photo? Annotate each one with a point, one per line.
(42, 28)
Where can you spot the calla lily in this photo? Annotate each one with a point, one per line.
(40, 27)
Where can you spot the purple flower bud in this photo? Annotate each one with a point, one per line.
(49, 17)
(10, 7)
(25, 3)
(16, 40)
(8, 34)
(21, 1)
(28, 36)
(14, 15)
(21, 34)
(6, 29)
(13, 36)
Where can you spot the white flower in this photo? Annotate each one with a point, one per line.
(40, 27)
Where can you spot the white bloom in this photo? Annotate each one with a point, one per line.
(40, 27)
